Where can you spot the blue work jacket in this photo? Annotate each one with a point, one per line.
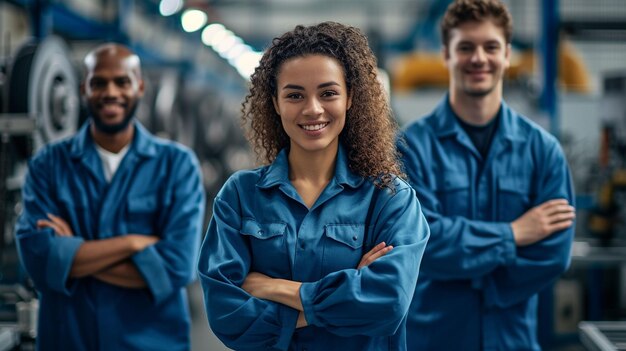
(260, 224)
(157, 190)
(477, 290)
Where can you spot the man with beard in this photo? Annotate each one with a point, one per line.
(111, 223)
(496, 191)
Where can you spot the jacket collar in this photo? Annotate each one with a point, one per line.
(278, 172)
(445, 124)
(144, 143)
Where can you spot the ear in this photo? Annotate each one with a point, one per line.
(445, 52)
(349, 102)
(507, 55)
(140, 88)
(275, 102)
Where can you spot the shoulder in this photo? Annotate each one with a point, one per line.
(420, 126)
(398, 188)
(175, 151)
(52, 152)
(532, 132)
(242, 181)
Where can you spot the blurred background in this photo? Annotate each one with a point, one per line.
(568, 73)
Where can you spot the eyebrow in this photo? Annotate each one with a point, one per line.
(298, 87)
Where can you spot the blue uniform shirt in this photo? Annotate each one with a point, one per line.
(260, 224)
(157, 190)
(477, 290)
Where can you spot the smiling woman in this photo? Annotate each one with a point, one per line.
(320, 248)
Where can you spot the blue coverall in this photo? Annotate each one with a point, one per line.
(157, 190)
(261, 224)
(477, 290)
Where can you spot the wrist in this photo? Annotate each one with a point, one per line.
(287, 292)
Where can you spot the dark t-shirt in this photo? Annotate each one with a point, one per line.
(481, 136)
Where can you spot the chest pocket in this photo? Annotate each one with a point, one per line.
(142, 214)
(453, 193)
(76, 213)
(343, 246)
(267, 243)
(513, 196)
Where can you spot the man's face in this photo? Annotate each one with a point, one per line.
(477, 56)
(112, 90)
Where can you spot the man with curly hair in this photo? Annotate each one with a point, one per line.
(496, 191)
(319, 249)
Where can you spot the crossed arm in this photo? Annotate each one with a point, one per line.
(287, 292)
(107, 260)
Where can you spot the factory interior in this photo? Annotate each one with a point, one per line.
(567, 74)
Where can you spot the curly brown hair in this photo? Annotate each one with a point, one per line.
(370, 131)
(462, 11)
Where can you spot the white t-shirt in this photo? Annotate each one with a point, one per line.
(111, 161)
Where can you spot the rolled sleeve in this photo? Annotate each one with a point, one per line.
(509, 248)
(60, 258)
(307, 292)
(155, 274)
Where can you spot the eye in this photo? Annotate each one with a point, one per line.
(97, 83)
(329, 93)
(492, 48)
(122, 82)
(465, 48)
(294, 96)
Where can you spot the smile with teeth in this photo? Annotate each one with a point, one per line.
(313, 127)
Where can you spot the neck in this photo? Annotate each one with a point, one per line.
(314, 167)
(476, 110)
(113, 142)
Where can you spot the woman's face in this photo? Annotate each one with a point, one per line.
(312, 99)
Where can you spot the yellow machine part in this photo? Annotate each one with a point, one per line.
(427, 69)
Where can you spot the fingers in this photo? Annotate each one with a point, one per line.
(58, 230)
(556, 209)
(62, 224)
(562, 216)
(561, 225)
(554, 202)
(376, 248)
(375, 253)
(380, 253)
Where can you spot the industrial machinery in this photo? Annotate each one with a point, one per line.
(603, 336)
(40, 104)
(607, 221)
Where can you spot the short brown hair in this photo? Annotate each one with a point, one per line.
(463, 11)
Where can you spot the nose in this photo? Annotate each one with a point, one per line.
(111, 89)
(479, 56)
(313, 107)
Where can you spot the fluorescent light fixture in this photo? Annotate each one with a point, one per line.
(247, 62)
(170, 7)
(210, 32)
(192, 20)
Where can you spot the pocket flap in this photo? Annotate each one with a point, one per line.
(348, 234)
(454, 181)
(251, 227)
(142, 204)
(514, 184)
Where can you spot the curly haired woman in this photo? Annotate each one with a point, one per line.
(320, 248)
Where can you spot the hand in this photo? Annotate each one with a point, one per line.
(375, 253)
(140, 242)
(542, 221)
(58, 224)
